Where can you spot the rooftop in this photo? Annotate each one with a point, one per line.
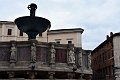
(66, 30)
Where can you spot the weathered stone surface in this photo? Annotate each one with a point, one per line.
(39, 60)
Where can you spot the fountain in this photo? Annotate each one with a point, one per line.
(32, 25)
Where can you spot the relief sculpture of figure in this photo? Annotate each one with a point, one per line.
(33, 52)
(53, 51)
(71, 55)
(89, 60)
(13, 53)
(80, 57)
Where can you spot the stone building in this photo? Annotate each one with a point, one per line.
(105, 59)
(9, 31)
(56, 54)
(65, 36)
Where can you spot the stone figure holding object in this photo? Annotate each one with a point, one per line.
(53, 51)
(13, 53)
(71, 55)
(33, 52)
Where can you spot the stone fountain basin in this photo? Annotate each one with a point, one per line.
(32, 24)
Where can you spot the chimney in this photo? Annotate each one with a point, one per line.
(111, 33)
(107, 37)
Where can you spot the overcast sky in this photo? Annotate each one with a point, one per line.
(97, 17)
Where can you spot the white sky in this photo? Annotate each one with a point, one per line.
(97, 17)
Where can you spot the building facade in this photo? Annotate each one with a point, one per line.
(9, 31)
(65, 36)
(105, 59)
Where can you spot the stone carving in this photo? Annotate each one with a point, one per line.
(79, 57)
(51, 75)
(33, 52)
(11, 75)
(71, 55)
(89, 60)
(52, 51)
(13, 53)
(70, 75)
(81, 76)
(32, 75)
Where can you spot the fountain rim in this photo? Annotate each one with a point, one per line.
(29, 17)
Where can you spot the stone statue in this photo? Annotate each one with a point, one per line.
(13, 53)
(33, 52)
(71, 55)
(89, 60)
(52, 51)
(80, 57)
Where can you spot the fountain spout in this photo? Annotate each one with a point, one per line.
(32, 7)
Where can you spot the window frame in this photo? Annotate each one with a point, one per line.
(21, 33)
(9, 32)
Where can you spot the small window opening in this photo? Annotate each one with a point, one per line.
(9, 32)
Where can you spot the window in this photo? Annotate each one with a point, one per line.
(58, 42)
(69, 42)
(40, 34)
(9, 32)
(21, 33)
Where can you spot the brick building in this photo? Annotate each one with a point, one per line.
(105, 59)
